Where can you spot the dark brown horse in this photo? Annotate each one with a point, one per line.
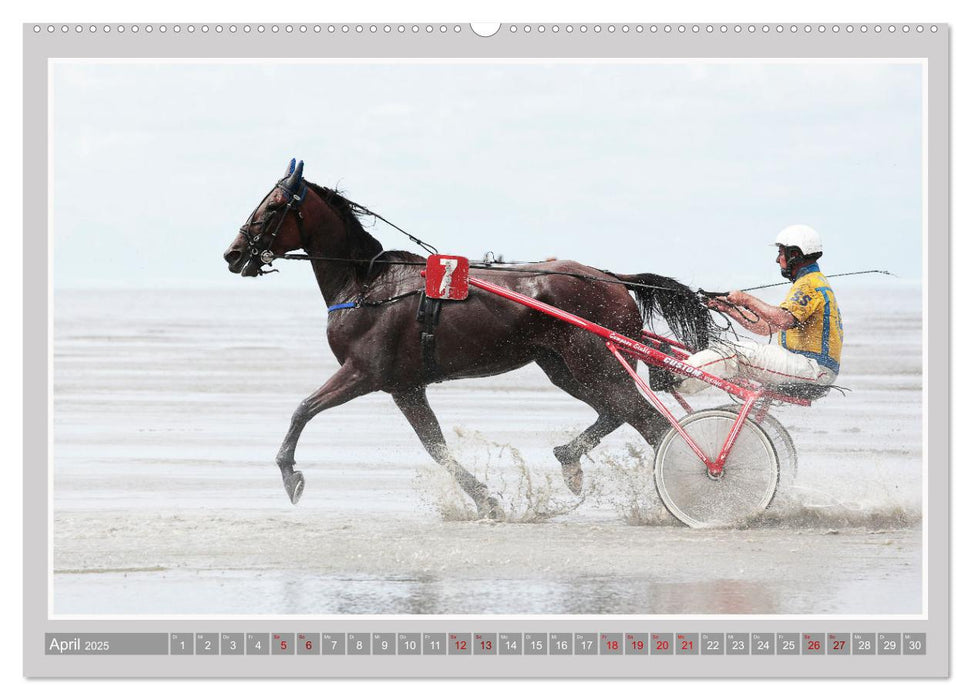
(379, 348)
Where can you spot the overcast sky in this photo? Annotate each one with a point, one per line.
(683, 169)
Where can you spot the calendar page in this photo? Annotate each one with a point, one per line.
(462, 350)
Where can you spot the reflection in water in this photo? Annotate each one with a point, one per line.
(718, 596)
(355, 596)
(289, 593)
(627, 596)
(430, 595)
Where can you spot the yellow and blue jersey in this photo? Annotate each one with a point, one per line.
(818, 332)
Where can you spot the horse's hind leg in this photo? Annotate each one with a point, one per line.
(346, 384)
(414, 405)
(569, 454)
(609, 389)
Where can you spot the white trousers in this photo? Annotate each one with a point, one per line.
(760, 362)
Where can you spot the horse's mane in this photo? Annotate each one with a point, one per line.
(364, 246)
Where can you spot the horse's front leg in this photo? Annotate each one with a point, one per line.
(414, 405)
(346, 384)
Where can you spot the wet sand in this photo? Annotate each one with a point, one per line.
(266, 563)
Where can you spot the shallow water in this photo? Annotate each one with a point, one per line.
(169, 409)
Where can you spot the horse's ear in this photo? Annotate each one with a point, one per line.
(289, 172)
(292, 180)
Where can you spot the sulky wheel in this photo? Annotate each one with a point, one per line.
(745, 488)
(785, 448)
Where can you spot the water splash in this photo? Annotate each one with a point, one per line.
(525, 497)
(811, 508)
(625, 483)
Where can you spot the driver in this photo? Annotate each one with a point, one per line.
(808, 322)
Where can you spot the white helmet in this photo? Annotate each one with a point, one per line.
(800, 236)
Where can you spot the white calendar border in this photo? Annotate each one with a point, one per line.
(940, 156)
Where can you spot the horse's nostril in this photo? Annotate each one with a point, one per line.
(231, 256)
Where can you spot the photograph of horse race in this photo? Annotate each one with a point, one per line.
(581, 338)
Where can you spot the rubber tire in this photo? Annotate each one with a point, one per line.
(785, 448)
(698, 501)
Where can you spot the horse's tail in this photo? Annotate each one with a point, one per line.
(685, 313)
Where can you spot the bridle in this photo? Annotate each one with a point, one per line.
(259, 243)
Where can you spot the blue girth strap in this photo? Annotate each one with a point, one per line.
(345, 305)
(361, 301)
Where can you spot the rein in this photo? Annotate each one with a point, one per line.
(295, 199)
(361, 209)
(481, 265)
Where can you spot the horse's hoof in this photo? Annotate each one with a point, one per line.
(573, 476)
(294, 486)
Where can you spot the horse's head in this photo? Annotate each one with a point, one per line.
(275, 227)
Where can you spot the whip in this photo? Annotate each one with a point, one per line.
(841, 274)
(706, 293)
